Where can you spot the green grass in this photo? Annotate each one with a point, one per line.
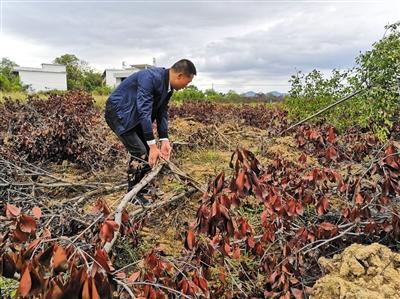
(100, 101)
(212, 159)
(20, 95)
(252, 213)
(208, 156)
(8, 287)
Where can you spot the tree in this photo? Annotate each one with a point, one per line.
(212, 95)
(75, 68)
(9, 81)
(376, 73)
(190, 93)
(380, 69)
(92, 80)
(7, 65)
(232, 96)
(79, 74)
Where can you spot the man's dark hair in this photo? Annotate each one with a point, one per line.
(184, 66)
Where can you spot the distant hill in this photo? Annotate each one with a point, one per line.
(276, 94)
(249, 94)
(272, 96)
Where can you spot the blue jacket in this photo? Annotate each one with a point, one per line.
(139, 100)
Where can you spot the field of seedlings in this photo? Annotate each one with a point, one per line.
(240, 211)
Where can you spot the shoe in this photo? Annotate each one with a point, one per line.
(141, 200)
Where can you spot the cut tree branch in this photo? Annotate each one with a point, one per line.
(127, 198)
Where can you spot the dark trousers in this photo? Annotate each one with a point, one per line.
(136, 145)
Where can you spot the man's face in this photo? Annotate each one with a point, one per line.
(181, 81)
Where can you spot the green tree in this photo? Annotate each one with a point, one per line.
(232, 96)
(9, 81)
(375, 108)
(190, 93)
(380, 69)
(92, 80)
(212, 95)
(79, 74)
(312, 92)
(75, 68)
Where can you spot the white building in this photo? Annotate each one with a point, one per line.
(113, 77)
(49, 77)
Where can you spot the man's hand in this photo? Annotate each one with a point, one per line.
(165, 149)
(153, 155)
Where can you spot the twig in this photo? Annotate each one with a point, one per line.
(375, 160)
(327, 240)
(234, 280)
(125, 287)
(126, 266)
(175, 169)
(78, 199)
(87, 228)
(223, 138)
(44, 172)
(54, 185)
(162, 203)
(172, 260)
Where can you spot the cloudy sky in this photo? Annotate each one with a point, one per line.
(239, 45)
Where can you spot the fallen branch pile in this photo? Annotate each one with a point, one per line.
(31, 253)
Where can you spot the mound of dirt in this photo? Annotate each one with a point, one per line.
(368, 272)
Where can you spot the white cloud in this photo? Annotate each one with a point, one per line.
(26, 52)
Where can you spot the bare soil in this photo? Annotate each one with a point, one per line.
(361, 271)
